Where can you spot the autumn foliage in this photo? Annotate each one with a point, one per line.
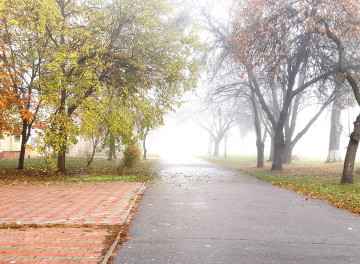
(10, 101)
(292, 42)
(13, 107)
(69, 62)
(266, 31)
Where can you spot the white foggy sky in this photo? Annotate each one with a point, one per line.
(182, 137)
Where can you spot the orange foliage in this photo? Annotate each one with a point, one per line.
(265, 31)
(11, 104)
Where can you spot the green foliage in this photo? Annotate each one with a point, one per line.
(132, 155)
(111, 69)
(92, 118)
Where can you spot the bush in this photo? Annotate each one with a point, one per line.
(132, 155)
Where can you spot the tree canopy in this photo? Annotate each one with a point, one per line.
(116, 61)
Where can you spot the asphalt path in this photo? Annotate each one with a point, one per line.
(201, 213)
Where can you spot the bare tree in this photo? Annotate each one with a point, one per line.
(340, 102)
(221, 117)
(284, 55)
(231, 87)
(346, 69)
(335, 133)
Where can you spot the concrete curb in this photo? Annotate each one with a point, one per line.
(126, 218)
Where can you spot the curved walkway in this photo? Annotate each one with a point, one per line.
(201, 213)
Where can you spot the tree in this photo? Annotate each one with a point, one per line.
(323, 100)
(155, 55)
(72, 73)
(70, 54)
(93, 125)
(9, 107)
(273, 90)
(10, 102)
(270, 36)
(221, 115)
(336, 128)
(148, 116)
(340, 24)
(23, 36)
(332, 26)
(335, 132)
(260, 140)
(222, 51)
(118, 121)
(248, 109)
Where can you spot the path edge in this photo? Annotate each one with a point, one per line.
(125, 219)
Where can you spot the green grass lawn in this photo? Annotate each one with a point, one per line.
(311, 177)
(100, 170)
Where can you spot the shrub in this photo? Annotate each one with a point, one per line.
(132, 155)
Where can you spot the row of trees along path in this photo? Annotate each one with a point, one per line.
(290, 54)
(107, 72)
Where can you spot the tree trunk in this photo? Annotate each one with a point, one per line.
(287, 152)
(25, 134)
(279, 145)
(210, 144)
(225, 145)
(95, 141)
(257, 126)
(348, 172)
(260, 154)
(216, 147)
(112, 148)
(271, 157)
(145, 152)
(24, 139)
(22, 156)
(144, 143)
(61, 165)
(290, 125)
(92, 156)
(333, 156)
(335, 132)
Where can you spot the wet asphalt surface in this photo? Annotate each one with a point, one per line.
(201, 213)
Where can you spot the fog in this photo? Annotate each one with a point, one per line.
(181, 137)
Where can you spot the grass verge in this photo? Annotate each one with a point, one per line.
(311, 177)
(100, 170)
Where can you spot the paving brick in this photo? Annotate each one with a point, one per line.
(26, 250)
(69, 203)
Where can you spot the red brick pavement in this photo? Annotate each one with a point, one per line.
(68, 203)
(52, 245)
